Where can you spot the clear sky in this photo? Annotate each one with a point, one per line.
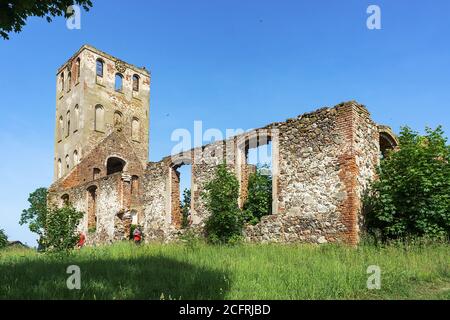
(230, 63)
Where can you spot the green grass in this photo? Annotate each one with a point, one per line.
(125, 271)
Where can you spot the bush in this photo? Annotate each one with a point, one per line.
(3, 239)
(411, 198)
(225, 222)
(259, 200)
(61, 229)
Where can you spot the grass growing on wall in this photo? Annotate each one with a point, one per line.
(199, 271)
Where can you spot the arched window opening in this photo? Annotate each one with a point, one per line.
(59, 168)
(135, 129)
(60, 132)
(118, 82)
(92, 208)
(78, 66)
(67, 162)
(69, 81)
(118, 120)
(65, 200)
(96, 173)
(256, 173)
(61, 82)
(99, 67)
(75, 158)
(76, 119)
(135, 82)
(387, 144)
(134, 185)
(134, 217)
(99, 118)
(387, 140)
(114, 165)
(180, 182)
(68, 124)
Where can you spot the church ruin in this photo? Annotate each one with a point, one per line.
(321, 162)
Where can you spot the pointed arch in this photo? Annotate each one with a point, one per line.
(135, 82)
(68, 124)
(99, 118)
(118, 86)
(135, 129)
(99, 67)
(76, 158)
(78, 67)
(76, 119)
(59, 169)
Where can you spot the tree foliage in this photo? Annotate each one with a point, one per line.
(3, 239)
(35, 216)
(259, 200)
(185, 207)
(14, 13)
(61, 229)
(412, 195)
(56, 227)
(225, 223)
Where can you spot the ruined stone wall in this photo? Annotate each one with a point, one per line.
(322, 162)
(326, 159)
(309, 186)
(157, 215)
(109, 205)
(367, 148)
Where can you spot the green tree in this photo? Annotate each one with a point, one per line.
(61, 229)
(3, 239)
(56, 227)
(259, 199)
(35, 216)
(185, 207)
(14, 13)
(225, 221)
(412, 195)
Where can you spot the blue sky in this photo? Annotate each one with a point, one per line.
(229, 63)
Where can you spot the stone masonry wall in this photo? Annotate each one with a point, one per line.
(323, 162)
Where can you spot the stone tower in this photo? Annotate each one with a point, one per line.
(98, 94)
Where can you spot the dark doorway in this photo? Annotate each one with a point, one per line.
(114, 165)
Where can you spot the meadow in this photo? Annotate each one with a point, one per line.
(246, 271)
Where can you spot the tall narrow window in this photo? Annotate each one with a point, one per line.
(119, 82)
(59, 168)
(135, 82)
(99, 67)
(78, 65)
(69, 81)
(135, 129)
(134, 185)
(68, 124)
(67, 162)
(76, 120)
(99, 118)
(118, 120)
(75, 158)
(60, 132)
(61, 82)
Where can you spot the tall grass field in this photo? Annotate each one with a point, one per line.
(200, 271)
